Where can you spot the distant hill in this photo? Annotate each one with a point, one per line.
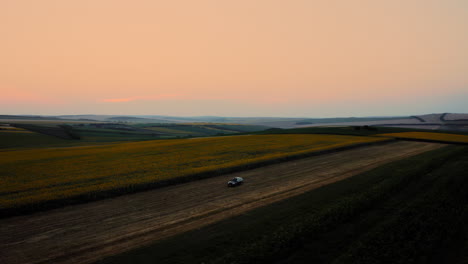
(135, 119)
(28, 117)
(444, 121)
(281, 122)
(441, 121)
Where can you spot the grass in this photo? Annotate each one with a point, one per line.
(33, 178)
(409, 211)
(438, 137)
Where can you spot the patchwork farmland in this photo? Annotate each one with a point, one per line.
(149, 200)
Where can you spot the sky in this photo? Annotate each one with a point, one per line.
(296, 58)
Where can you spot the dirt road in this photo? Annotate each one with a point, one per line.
(85, 233)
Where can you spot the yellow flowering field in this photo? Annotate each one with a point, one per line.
(39, 175)
(429, 136)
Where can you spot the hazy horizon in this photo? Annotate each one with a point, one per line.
(264, 58)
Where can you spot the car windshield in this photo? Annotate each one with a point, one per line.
(234, 180)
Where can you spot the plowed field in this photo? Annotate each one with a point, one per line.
(85, 233)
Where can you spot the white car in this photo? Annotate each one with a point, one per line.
(235, 182)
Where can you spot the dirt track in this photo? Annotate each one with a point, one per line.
(86, 233)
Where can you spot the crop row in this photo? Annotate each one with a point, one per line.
(411, 235)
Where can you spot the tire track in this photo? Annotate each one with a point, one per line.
(85, 233)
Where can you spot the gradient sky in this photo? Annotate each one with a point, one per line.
(304, 58)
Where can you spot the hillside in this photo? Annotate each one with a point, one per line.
(281, 122)
(442, 121)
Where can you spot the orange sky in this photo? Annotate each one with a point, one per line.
(234, 58)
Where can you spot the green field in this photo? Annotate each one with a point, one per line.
(49, 133)
(167, 130)
(409, 211)
(201, 129)
(17, 140)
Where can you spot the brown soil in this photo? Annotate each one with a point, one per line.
(86, 233)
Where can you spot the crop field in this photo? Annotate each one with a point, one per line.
(430, 136)
(35, 176)
(88, 232)
(413, 210)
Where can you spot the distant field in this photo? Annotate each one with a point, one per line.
(55, 134)
(201, 129)
(36, 176)
(429, 136)
(24, 138)
(166, 130)
(17, 138)
(46, 121)
(137, 132)
(354, 130)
